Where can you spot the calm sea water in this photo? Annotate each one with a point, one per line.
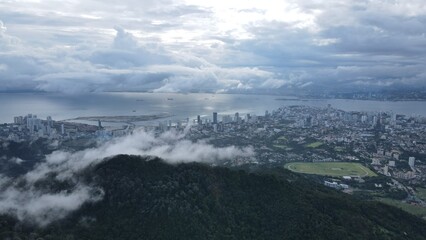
(62, 107)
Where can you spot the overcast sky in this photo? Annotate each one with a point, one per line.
(213, 46)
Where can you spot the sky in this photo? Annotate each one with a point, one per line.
(211, 46)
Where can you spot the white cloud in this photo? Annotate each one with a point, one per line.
(2, 28)
(207, 39)
(26, 200)
(34, 205)
(126, 64)
(16, 160)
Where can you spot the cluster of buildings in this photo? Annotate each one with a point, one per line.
(384, 141)
(389, 143)
(336, 185)
(30, 127)
(35, 125)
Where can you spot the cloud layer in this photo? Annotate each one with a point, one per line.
(222, 46)
(31, 198)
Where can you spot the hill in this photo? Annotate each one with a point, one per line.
(154, 200)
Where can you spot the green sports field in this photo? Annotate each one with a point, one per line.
(335, 169)
(314, 145)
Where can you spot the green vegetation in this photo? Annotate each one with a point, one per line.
(31, 152)
(339, 149)
(282, 138)
(421, 193)
(335, 169)
(154, 200)
(280, 146)
(284, 147)
(410, 208)
(314, 145)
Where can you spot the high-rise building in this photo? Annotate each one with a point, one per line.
(308, 121)
(215, 118)
(49, 121)
(226, 119)
(411, 161)
(33, 123)
(386, 170)
(199, 120)
(375, 121)
(237, 117)
(18, 120)
(162, 126)
(393, 117)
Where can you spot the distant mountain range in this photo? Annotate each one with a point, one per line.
(154, 200)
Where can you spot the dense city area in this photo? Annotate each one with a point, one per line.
(372, 155)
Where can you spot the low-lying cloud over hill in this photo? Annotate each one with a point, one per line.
(31, 197)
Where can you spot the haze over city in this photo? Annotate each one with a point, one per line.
(211, 46)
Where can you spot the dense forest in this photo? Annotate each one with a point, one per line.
(155, 200)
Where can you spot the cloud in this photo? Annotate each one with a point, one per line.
(2, 28)
(30, 198)
(166, 46)
(5, 145)
(36, 206)
(7, 42)
(16, 160)
(126, 64)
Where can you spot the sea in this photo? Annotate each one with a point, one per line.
(181, 106)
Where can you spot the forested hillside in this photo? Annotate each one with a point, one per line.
(154, 200)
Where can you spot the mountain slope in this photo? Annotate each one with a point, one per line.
(154, 200)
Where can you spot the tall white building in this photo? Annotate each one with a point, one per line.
(386, 170)
(411, 161)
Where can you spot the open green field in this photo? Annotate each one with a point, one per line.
(339, 149)
(314, 145)
(421, 193)
(284, 147)
(335, 169)
(283, 138)
(280, 146)
(413, 209)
